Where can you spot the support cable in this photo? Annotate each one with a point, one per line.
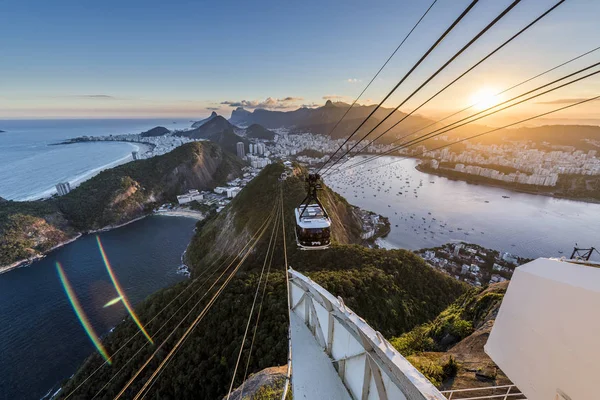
(492, 130)
(288, 374)
(228, 261)
(254, 241)
(461, 122)
(268, 261)
(382, 67)
(437, 42)
(148, 323)
(469, 70)
(454, 57)
(496, 95)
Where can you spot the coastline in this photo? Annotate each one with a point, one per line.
(197, 215)
(81, 140)
(79, 179)
(111, 227)
(28, 261)
(501, 185)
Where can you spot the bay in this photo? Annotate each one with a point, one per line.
(30, 166)
(427, 211)
(41, 339)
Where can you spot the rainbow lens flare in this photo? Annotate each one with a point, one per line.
(121, 292)
(113, 302)
(85, 323)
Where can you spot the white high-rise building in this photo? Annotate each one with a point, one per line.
(135, 155)
(63, 188)
(240, 150)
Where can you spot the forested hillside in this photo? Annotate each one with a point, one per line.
(449, 349)
(119, 194)
(114, 196)
(393, 290)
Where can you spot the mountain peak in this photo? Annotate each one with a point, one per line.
(259, 132)
(157, 131)
(329, 103)
(196, 124)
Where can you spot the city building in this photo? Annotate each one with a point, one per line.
(509, 258)
(457, 248)
(135, 155)
(233, 191)
(191, 195)
(240, 149)
(63, 188)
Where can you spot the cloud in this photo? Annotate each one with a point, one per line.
(353, 80)
(563, 101)
(213, 108)
(291, 99)
(269, 103)
(93, 96)
(333, 97)
(311, 105)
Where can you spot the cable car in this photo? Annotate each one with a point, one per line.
(313, 225)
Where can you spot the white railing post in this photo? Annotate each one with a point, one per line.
(507, 392)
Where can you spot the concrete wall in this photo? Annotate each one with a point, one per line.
(547, 333)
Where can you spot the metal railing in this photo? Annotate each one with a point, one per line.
(507, 393)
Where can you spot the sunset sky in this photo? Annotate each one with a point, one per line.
(81, 59)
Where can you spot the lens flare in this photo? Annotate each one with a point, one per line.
(121, 292)
(85, 323)
(112, 302)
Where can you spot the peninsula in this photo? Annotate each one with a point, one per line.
(114, 197)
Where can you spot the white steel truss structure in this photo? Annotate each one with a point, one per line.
(337, 355)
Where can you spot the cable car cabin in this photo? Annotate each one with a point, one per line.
(313, 227)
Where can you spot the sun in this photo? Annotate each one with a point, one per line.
(484, 98)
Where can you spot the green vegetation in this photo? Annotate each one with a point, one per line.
(310, 153)
(157, 131)
(455, 337)
(33, 208)
(251, 207)
(436, 369)
(270, 392)
(30, 228)
(453, 324)
(257, 131)
(404, 289)
(393, 290)
(118, 194)
(218, 130)
(112, 197)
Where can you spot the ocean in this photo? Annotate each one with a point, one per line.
(30, 166)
